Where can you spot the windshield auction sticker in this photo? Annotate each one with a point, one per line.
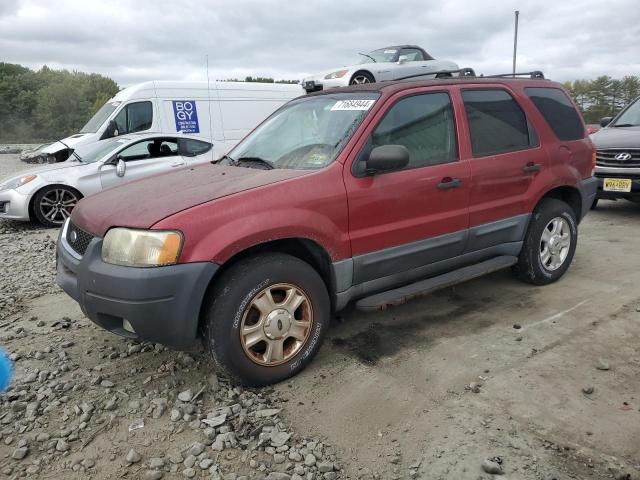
(353, 105)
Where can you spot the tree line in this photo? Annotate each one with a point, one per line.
(603, 96)
(44, 105)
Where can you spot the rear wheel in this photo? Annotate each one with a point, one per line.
(266, 318)
(53, 205)
(361, 77)
(549, 244)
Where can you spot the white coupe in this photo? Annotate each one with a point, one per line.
(384, 64)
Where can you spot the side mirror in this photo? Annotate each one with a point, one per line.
(111, 130)
(605, 121)
(387, 158)
(121, 167)
(402, 59)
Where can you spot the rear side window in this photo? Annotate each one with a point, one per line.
(422, 123)
(558, 111)
(190, 147)
(496, 122)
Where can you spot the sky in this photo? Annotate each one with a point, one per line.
(133, 41)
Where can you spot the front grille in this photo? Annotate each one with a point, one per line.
(607, 158)
(78, 239)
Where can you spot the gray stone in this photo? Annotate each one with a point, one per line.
(62, 445)
(196, 449)
(494, 468)
(602, 365)
(20, 453)
(153, 475)
(133, 456)
(185, 396)
(156, 463)
(309, 460)
(189, 472)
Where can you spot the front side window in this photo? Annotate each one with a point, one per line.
(629, 117)
(305, 134)
(135, 117)
(424, 125)
(412, 54)
(147, 149)
(496, 122)
(558, 111)
(190, 147)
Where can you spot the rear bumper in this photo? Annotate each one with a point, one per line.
(588, 190)
(160, 304)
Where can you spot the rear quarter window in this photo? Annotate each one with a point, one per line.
(558, 111)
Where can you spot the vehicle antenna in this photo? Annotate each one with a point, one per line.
(209, 105)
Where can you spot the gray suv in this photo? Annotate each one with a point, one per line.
(618, 155)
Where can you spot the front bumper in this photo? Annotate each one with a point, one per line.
(157, 304)
(14, 205)
(317, 84)
(631, 173)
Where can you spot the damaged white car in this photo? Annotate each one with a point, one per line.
(49, 193)
(384, 64)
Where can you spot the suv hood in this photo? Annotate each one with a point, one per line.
(143, 203)
(623, 137)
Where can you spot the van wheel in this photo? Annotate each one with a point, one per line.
(265, 319)
(549, 244)
(53, 205)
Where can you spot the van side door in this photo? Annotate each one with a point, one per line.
(403, 221)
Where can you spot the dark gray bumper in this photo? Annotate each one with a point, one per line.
(588, 190)
(162, 304)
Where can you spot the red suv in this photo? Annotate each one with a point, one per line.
(372, 193)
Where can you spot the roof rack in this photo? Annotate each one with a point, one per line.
(534, 74)
(462, 72)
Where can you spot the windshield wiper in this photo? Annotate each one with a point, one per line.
(232, 161)
(624, 125)
(73, 152)
(368, 56)
(256, 160)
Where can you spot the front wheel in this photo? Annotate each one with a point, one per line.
(53, 205)
(266, 318)
(549, 244)
(361, 78)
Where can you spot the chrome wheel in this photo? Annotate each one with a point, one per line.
(276, 324)
(555, 243)
(56, 205)
(360, 79)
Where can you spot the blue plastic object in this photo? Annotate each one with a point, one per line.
(6, 371)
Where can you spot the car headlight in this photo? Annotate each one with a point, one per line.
(17, 182)
(338, 74)
(141, 248)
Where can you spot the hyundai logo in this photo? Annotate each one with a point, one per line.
(73, 236)
(623, 157)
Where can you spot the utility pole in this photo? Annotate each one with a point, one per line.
(515, 43)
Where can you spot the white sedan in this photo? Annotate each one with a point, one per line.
(49, 193)
(384, 64)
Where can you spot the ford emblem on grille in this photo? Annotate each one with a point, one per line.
(623, 157)
(73, 236)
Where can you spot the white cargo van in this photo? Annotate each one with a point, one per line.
(221, 112)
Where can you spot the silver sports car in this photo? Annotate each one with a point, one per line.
(384, 64)
(49, 193)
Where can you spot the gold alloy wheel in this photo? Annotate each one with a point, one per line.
(276, 324)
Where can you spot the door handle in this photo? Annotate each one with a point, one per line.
(177, 164)
(531, 167)
(448, 182)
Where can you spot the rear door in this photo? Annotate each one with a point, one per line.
(400, 221)
(142, 159)
(505, 159)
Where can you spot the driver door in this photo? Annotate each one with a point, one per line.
(413, 65)
(142, 159)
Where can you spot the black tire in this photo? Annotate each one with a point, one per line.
(530, 266)
(69, 198)
(365, 75)
(594, 205)
(234, 293)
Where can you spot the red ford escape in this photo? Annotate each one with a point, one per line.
(369, 194)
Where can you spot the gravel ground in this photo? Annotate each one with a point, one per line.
(490, 377)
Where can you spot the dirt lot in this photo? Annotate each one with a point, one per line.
(547, 379)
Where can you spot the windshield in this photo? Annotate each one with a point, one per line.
(381, 55)
(99, 117)
(307, 133)
(92, 152)
(630, 117)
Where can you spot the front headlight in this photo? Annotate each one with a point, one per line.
(141, 248)
(17, 182)
(338, 74)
